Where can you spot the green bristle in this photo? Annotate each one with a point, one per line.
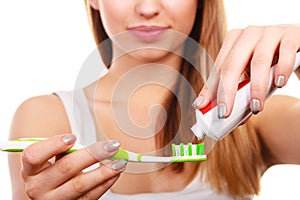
(190, 149)
(173, 149)
(200, 149)
(181, 149)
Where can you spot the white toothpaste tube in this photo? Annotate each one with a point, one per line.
(207, 121)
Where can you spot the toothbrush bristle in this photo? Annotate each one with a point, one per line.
(188, 149)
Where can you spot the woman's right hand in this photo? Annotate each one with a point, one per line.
(64, 179)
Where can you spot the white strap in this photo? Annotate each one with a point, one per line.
(79, 115)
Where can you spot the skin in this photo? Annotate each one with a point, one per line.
(37, 170)
(252, 50)
(47, 117)
(256, 45)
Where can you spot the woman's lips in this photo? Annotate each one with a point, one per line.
(148, 33)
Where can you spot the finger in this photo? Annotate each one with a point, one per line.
(261, 63)
(287, 54)
(209, 90)
(230, 39)
(87, 182)
(73, 163)
(233, 67)
(36, 156)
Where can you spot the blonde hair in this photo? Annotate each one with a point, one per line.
(235, 165)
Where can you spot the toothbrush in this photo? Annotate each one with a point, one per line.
(181, 153)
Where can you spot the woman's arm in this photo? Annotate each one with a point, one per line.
(41, 116)
(278, 126)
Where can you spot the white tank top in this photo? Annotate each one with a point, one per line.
(83, 126)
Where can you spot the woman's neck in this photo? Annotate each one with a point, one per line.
(144, 83)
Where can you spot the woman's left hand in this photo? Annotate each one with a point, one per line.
(251, 50)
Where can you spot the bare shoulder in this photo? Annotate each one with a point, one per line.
(276, 107)
(283, 99)
(40, 116)
(278, 129)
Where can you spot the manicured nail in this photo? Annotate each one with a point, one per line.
(119, 164)
(198, 101)
(255, 106)
(69, 139)
(111, 146)
(280, 81)
(221, 110)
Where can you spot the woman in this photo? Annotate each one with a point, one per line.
(236, 163)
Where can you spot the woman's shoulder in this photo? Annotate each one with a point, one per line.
(39, 116)
(276, 104)
(281, 98)
(274, 113)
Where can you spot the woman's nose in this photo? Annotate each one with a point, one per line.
(148, 8)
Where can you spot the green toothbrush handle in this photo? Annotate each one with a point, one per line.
(121, 154)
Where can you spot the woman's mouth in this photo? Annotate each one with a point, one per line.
(148, 33)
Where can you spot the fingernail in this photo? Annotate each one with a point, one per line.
(221, 110)
(280, 81)
(111, 146)
(198, 101)
(119, 164)
(255, 106)
(69, 139)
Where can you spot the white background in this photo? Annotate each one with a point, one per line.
(44, 43)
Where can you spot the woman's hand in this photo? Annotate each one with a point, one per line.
(64, 178)
(251, 52)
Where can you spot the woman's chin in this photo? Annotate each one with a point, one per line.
(151, 55)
